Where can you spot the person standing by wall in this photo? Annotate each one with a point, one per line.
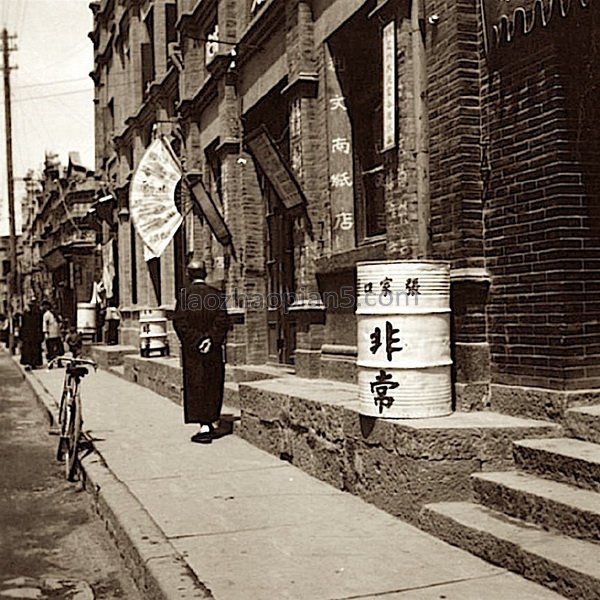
(201, 323)
(51, 327)
(112, 319)
(31, 336)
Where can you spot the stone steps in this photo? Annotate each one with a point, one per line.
(567, 565)
(584, 423)
(553, 505)
(563, 459)
(542, 521)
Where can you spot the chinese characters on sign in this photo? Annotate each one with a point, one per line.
(341, 169)
(389, 85)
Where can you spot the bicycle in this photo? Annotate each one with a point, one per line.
(70, 416)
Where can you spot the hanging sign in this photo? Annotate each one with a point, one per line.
(152, 197)
(341, 169)
(275, 168)
(389, 85)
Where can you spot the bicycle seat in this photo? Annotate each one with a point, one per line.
(77, 371)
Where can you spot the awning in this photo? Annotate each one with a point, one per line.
(275, 168)
(502, 19)
(209, 210)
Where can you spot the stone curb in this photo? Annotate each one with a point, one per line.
(159, 571)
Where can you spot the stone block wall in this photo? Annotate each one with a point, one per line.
(397, 465)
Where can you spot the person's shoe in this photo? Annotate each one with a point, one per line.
(204, 436)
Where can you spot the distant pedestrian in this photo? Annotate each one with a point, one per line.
(4, 330)
(112, 319)
(51, 328)
(74, 341)
(32, 336)
(201, 323)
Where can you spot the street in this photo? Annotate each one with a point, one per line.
(53, 545)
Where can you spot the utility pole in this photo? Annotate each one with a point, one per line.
(13, 276)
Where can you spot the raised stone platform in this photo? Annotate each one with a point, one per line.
(109, 356)
(397, 465)
(163, 376)
(314, 423)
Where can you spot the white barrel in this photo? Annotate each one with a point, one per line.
(404, 361)
(153, 331)
(86, 320)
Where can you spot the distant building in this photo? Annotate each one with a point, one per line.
(59, 258)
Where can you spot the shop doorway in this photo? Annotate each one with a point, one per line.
(281, 323)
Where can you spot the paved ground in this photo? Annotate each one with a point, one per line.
(51, 545)
(254, 528)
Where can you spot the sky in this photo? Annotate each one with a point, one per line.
(52, 93)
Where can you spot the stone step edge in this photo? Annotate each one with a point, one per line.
(583, 423)
(440, 519)
(567, 517)
(539, 457)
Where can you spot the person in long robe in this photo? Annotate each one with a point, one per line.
(31, 336)
(201, 323)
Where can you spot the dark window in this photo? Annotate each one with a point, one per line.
(171, 20)
(148, 73)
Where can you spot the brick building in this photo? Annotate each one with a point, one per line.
(304, 123)
(59, 260)
(328, 132)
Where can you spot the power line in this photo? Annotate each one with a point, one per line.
(54, 95)
(30, 85)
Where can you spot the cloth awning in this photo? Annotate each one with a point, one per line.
(275, 168)
(503, 19)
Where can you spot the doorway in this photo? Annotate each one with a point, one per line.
(281, 324)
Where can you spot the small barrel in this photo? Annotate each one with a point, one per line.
(153, 331)
(86, 320)
(403, 322)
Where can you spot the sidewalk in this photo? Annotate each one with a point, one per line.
(230, 522)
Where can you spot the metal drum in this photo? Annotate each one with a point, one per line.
(404, 361)
(153, 332)
(86, 320)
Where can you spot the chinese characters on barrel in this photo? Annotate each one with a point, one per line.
(380, 387)
(412, 287)
(387, 339)
(390, 340)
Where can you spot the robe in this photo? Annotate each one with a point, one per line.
(200, 313)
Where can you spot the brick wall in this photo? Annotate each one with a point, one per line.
(541, 207)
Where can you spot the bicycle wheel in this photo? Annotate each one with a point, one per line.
(62, 422)
(72, 436)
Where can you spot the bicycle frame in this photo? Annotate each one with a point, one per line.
(70, 418)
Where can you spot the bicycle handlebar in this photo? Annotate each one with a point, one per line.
(73, 361)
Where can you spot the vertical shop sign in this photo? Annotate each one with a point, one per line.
(389, 85)
(341, 170)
